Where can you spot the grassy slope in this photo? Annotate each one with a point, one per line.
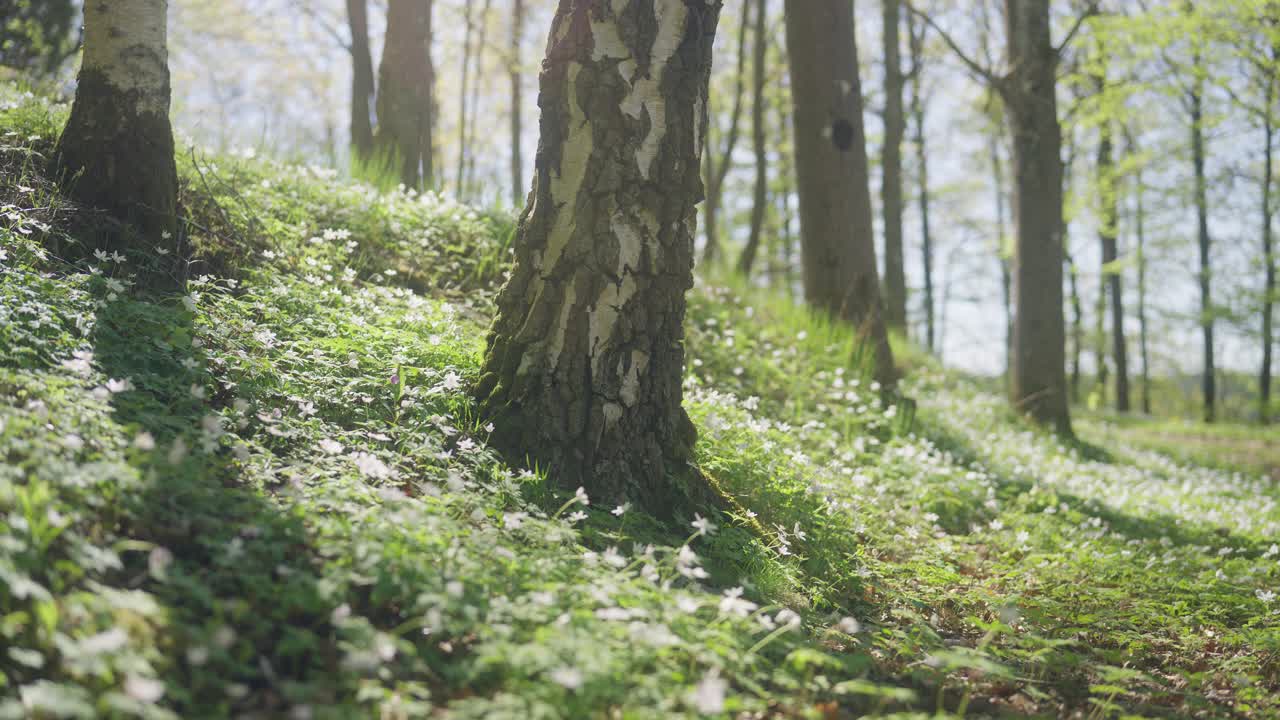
(289, 508)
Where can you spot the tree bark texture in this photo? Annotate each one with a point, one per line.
(837, 242)
(585, 360)
(895, 279)
(116, 152)
(405, 77)
(362, 89)
(1268, 243)
(1039, 387)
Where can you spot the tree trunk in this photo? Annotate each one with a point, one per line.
(467, 10)
(760, 196)
(786, 176)
(837, 244)
(1109, 213)
(116, 152)
(1268, 250)
(1140, 235)
(517, 107)
(1039, 381)
(403, 136)
(716, 173)
(895, 280)
(1006, 278)
(585, 360)
(1077, 326)
(474, 105)
(915, 37)
(362, 90)
(1208, 380)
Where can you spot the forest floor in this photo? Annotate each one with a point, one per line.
(270, 497)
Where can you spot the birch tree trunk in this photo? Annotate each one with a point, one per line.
(584, 364)
(837, 243)
(116, 152)
(405, 77)
(1039, 386)
(895, 280)
(362, 89)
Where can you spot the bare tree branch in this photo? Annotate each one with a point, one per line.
(983, 73)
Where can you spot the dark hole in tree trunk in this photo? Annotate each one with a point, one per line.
(842, 134)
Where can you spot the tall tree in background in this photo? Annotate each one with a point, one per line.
(1038, 386)
(474, 105)
(585, 360)
(517, 107)
(895, 279)
(1140, 259)
(362, 89)
(837, 243)
(1108, 188)
(405, 78)
(915, 38)
(760, 194)
(116, 152)
(468, 14)
(1194, 101)
(715, 172)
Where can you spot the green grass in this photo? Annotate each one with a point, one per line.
(272, 497)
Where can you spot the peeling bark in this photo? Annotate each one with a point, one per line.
(585, 360)
(116, 152)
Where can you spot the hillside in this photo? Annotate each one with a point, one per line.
(270, 497)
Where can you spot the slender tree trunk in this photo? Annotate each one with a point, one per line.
(915, 37)
(404, 98)
(517, 107)
(1110, 195)
(362, 90)
(1006, 278)
(585, 360)
(1140, 236)
(716, 173)
(786, 175)
(1077, 326)
(760, 196)
(463, 149)
(1268, 250)
(895, 279)
(474, 105)
(1039, 381)
(1208, 380)
(836, 237)
(116, 152)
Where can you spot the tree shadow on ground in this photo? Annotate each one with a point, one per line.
(248, 625)
(1148, 527)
